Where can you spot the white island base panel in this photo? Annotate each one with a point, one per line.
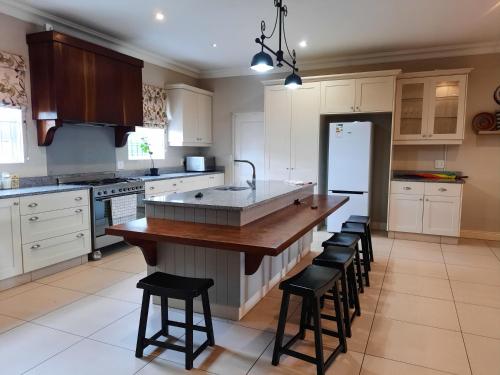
(234, 293)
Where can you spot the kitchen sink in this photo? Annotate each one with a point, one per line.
(232, 188)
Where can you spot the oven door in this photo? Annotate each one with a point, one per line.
(102, 219)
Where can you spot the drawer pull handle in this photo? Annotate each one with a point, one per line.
(16, 203)
(78, 198)
(174, 184)
(407, 188)
(151, 188)
(34, 247)
(34, 218)
(31, 205)
(442, 189)
(421, 199)
(427, 199)
(80, 235)
(78, 211)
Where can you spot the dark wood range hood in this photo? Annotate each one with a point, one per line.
(74, 82)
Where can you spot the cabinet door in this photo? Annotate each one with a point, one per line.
(405, 213)
(305, 133)
(131, 80)
(216, 180)
(189, 116)
(338, 96)
(447, 107)
(375, 94)
(278, 110)
(11, 262)
(411, 109)
(442, 215)
(108, 90)
(204, 118)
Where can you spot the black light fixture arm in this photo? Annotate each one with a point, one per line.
(279, 57)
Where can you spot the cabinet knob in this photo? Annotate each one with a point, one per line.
(407, 188)
(430, 135)
(34, 218)
(78, 199)
(424, 135)
(78, 211)
(151, 188)
(352, 108)
(31, 205)
(16, 203)
(357, 108)
(427, 199)
(80, 235)
(34, 247)
(421, 199)
(442, 189)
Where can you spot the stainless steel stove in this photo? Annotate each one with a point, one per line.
(106, 189)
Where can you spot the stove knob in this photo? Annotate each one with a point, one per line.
(119, 190)
(112, 191)
(99, 193)
(105, 192)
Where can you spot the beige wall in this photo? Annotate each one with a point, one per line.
(478, 157)
(13, 39)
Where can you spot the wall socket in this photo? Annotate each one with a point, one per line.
(120, 164)
(439, 164)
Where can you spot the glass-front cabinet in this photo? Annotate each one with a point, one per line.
(430, 109)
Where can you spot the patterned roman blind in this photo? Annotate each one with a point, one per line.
(154, 103)
(12, 80)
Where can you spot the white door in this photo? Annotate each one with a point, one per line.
(338, 96)
(442, 216)
(375, 94)
(278, 111)
(204, 118)
(358, 204)
(11, 262)
(248, 144)
(405, 213)
(305, 133)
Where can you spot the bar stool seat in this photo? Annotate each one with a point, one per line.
(178, 287)
(365, 221)
(311, 283)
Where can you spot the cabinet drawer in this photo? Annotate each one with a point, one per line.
(448, 190)
(44, 253)
(216, 179)
(161, 186)
(56, 201)
(50, 224)
(407, 187)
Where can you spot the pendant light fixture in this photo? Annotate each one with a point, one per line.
(263, 62)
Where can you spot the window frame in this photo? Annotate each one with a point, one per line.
(20, 156)
(139, 155)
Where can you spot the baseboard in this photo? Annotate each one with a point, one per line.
(480, 235)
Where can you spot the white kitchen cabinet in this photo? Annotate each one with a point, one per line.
(430, 110)
(56, 201)
(292, 132)
(441, 216)
(11, 262)
(216, 180)
(405, 213)
(359, 95)
(190, 116)
(174, 185)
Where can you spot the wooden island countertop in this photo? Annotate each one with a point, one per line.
(269, 235)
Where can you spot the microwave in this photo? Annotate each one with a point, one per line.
(199, 163)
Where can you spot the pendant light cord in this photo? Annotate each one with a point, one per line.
(263, 25)
(286, 44)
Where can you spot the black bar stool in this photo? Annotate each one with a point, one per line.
(350, 241)
(365, 220)
(342, 259)
(178, 287)
(311, 283)
(359, 229)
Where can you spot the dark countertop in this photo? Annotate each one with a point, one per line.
(436, 180)
(36, 190)
(404, 175)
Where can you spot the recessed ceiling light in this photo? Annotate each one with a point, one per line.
(303, 43)
(159, 16)
(214, 45)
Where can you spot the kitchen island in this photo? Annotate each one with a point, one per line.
(245, 240)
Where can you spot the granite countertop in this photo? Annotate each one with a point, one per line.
(21, 192)
(436, 180)
(226, 199)
(169, 176)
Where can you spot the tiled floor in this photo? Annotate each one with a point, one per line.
(432, 309)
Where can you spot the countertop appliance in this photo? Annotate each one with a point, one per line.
(105, 191)
(199, 164)
(350, 169)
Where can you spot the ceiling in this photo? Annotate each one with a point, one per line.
(341, 29)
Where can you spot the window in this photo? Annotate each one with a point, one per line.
(11, 135)
(154, 137)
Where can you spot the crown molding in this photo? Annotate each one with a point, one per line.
(29, 14)
(370, 58)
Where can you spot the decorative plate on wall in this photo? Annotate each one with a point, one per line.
(483, 121)
(496, 95)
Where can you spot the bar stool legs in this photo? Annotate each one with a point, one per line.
(143, 321)
(207, 314)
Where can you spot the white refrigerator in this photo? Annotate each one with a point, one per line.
(349, 169)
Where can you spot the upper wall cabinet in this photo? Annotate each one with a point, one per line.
(190, 111)
(357, 95)
(74, 81)
(430, 109)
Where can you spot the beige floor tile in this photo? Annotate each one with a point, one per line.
(468, 246)
(91, 280)
(420, 310)
(430, 347)
(236, 349)
(61, 275)
(426, 255)
(87, 315)
(380, 263)
(420, 245)
(159, 366)
(376, 279)
(345, 364)
(474, 274)
(28, 345)
(132, 263)
(7, 323)
(417, 267)
(37, 302)
(115, 252)
(479, 320)
(125, 290)
(369, 299)
(381, 366)
(417, 285)
(7, 293)
(477, 294)
(471, 260)
(123, 332)
(483, 354)
(91, 357)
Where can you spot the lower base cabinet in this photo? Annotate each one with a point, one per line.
(406, 213)
(165, 187)
(441, 216)
(11, 261)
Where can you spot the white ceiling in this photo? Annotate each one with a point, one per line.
(332, 28)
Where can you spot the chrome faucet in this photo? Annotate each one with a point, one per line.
(250, 183)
